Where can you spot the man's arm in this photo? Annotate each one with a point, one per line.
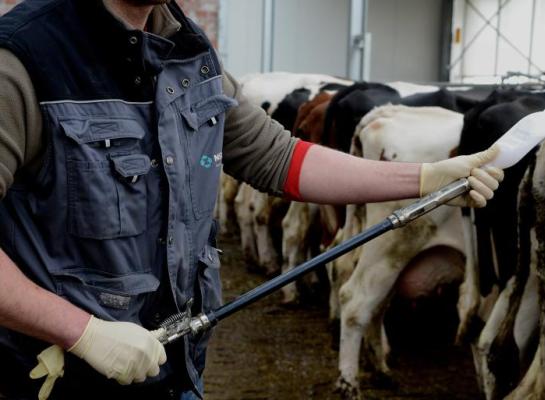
(119, 350)
(25, 307)
(259, 151)
(322, 180)
(21, 146)
(362, 181)
(256, 149)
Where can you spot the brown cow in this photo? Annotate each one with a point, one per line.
(299, 242)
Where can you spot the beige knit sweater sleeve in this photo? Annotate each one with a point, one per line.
(257, 150)
(21, 144)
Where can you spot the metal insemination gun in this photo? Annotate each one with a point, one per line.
(183, 324)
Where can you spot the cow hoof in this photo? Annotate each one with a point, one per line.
(346, 390)
(381, 380)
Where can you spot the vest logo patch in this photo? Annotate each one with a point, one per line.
(207, 161)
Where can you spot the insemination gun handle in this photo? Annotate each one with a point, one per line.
(183, 324)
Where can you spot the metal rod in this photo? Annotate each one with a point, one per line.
(180, 325)
(398, 219)
(284, 279)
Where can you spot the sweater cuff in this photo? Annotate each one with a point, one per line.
(291, 186)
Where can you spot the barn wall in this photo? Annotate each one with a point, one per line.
(406, 39)
(205, 13)
(241, 35)
(311, 36)
(480, 54)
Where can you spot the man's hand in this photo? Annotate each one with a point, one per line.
(483, 180)
(122, 351)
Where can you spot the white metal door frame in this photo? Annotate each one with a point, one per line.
(267, 49)
(359, 42)
(494, 22)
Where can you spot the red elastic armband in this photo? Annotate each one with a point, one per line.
(291, 187)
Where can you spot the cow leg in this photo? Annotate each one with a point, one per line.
(267, 255)
(526, 330)
(376, 350)
(244, 210)
(488, 334)
(503, 355)
(531, 387)
(539, 203)
(294, 227)
(362, 299)
(540, 386)
(469, 299)
(226, 212)
(313, 287)
(340, 270)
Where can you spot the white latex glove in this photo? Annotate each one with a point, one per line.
(51, 366)
(483, 180)
(122, 351)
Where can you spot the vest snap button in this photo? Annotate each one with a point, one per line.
(170, 240)
(133, 40)
(170, 90)
(169, 160)
(138, 80)
(205, 70)
(186, 82)
(154, 163)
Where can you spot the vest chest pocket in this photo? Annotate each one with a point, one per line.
(106, 178)
(204, 126)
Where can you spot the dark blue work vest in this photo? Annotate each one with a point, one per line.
(119, 219)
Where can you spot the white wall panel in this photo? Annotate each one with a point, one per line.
(515, 35)
(480, 58)
(516, 25)
(406, 39)
(241, 30)
(311, 36)
(538, 53)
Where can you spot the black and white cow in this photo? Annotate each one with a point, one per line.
(502, 327)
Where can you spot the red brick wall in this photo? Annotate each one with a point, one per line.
(204, 12)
